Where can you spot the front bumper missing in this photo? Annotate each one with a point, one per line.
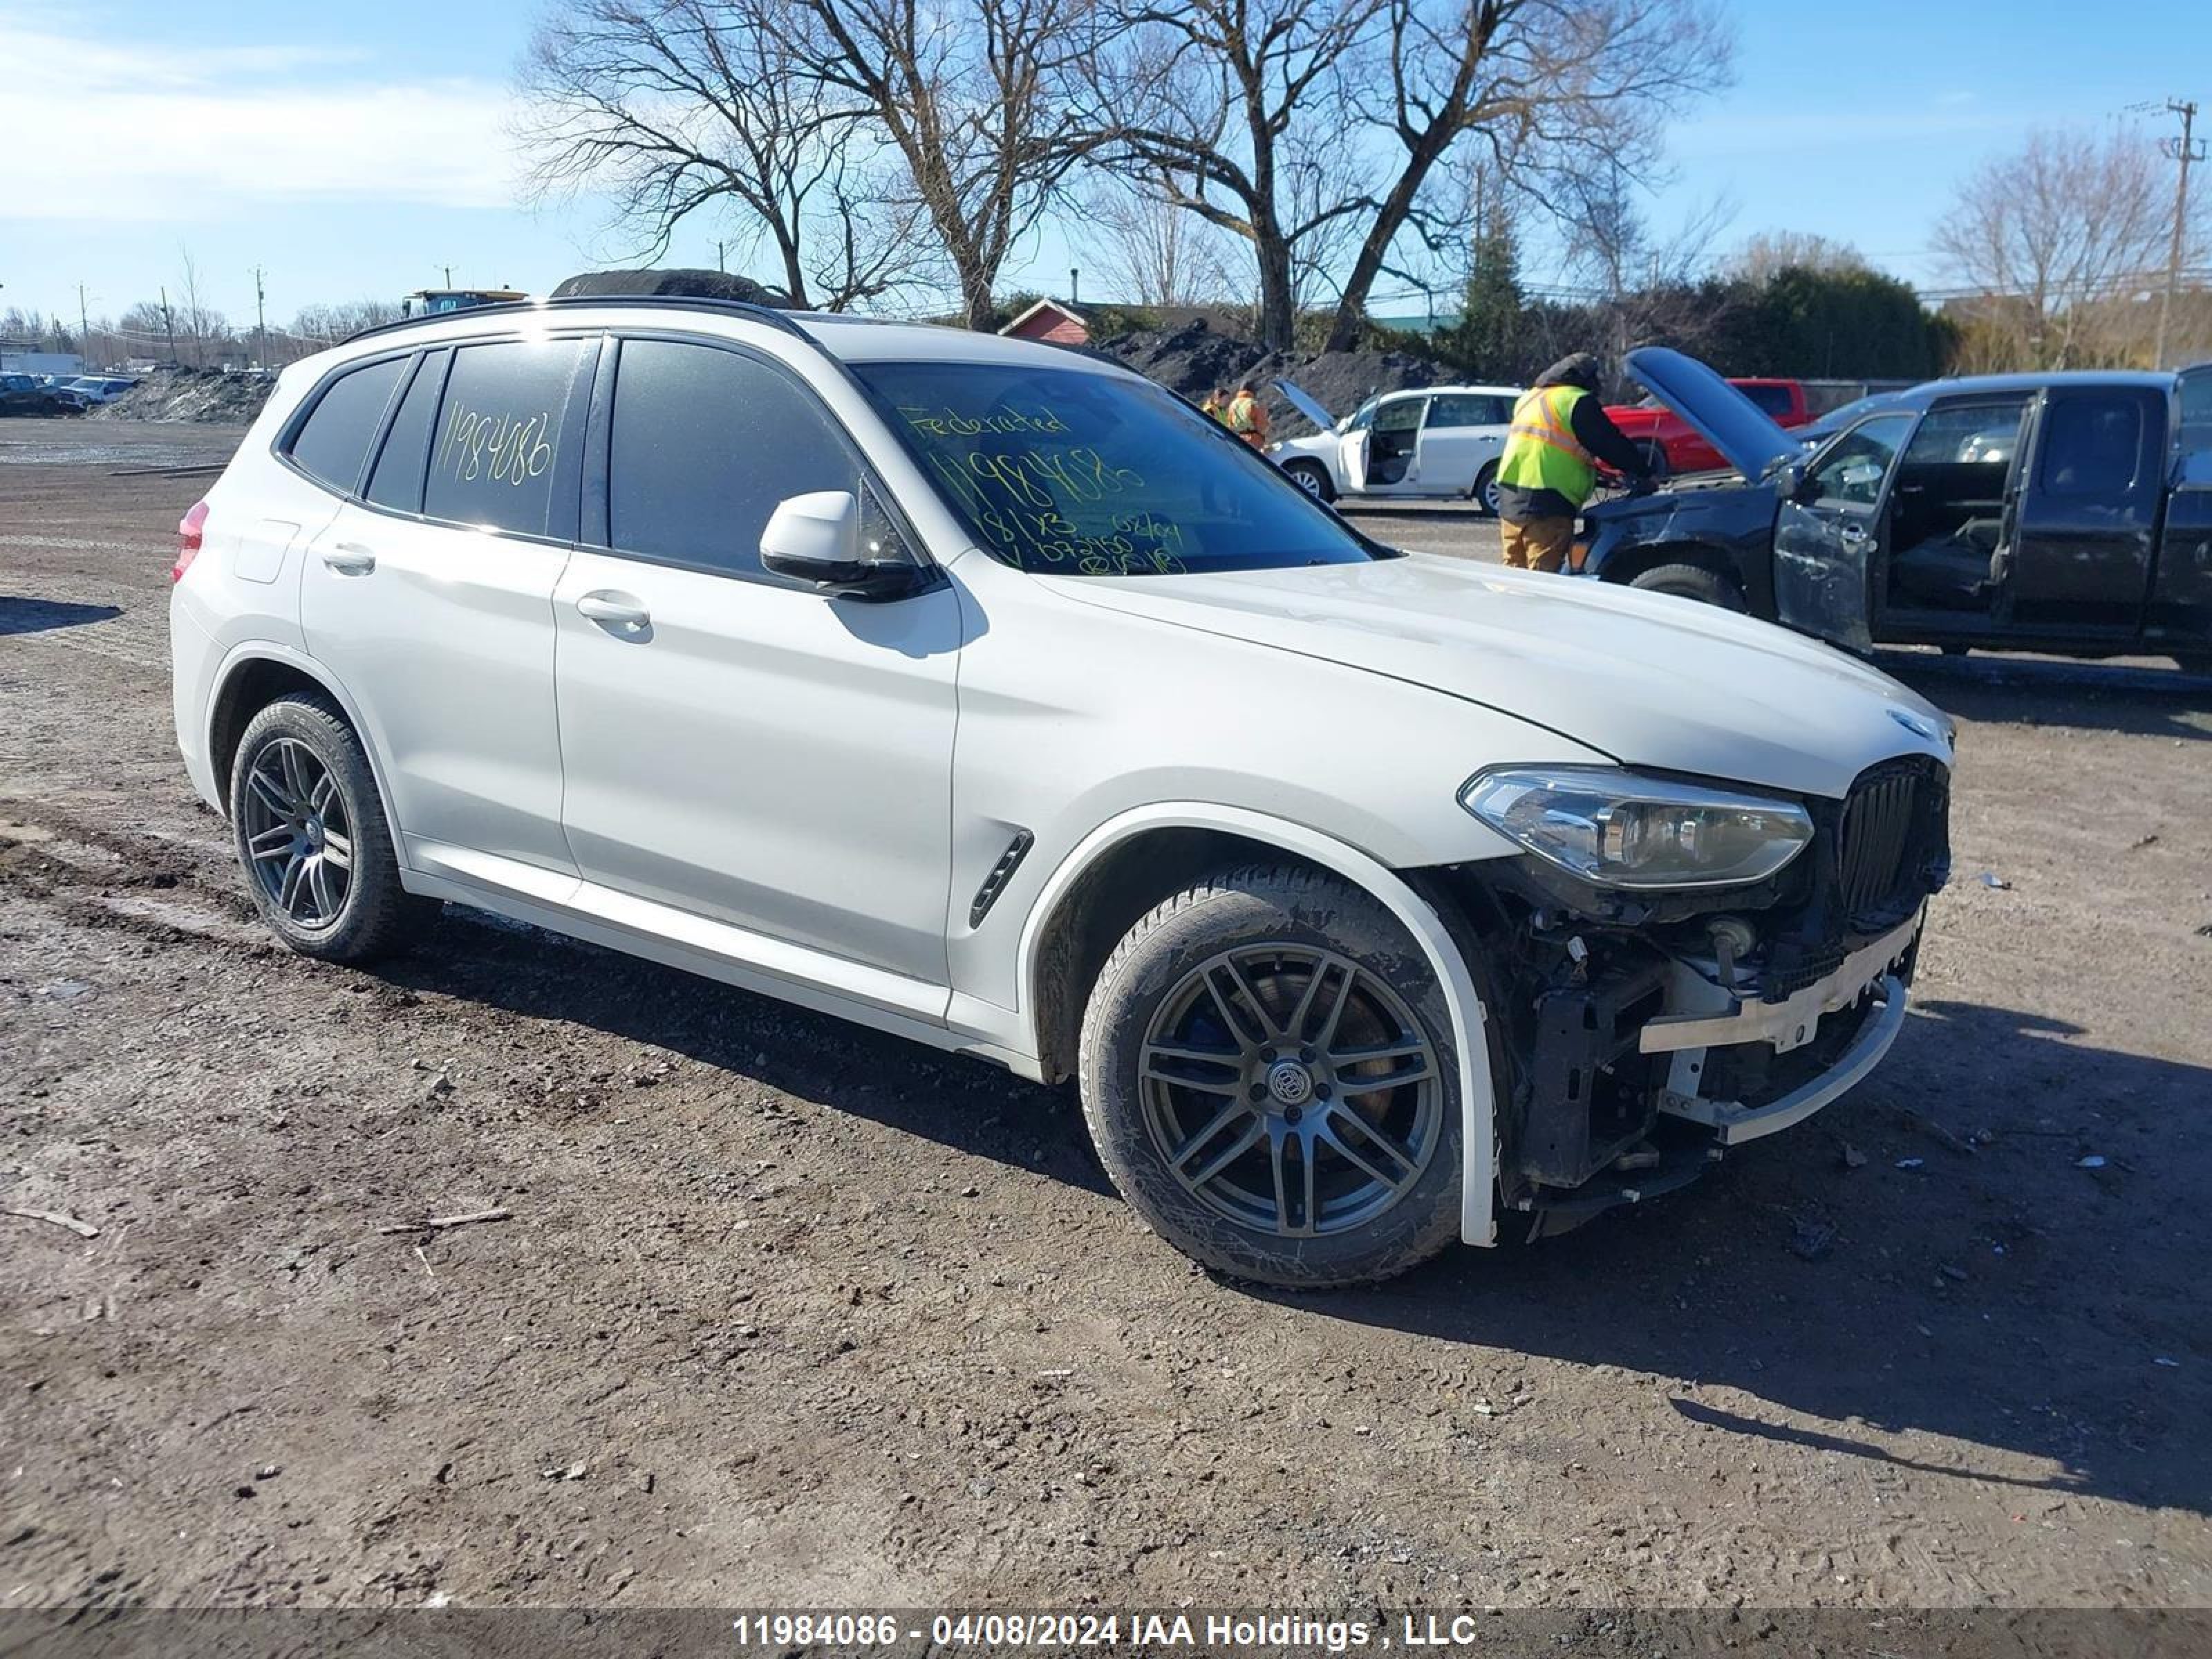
(1868, 987)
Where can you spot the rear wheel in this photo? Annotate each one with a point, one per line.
(1268, 1073)
(1485, 490)
(1694, 581)
(1312, 477)
(311, 837)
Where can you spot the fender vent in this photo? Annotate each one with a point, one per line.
(1001, 873)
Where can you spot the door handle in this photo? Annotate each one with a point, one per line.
(612, 611)
(349, 559)
(1853, 535)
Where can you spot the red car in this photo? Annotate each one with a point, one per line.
(1675, 447)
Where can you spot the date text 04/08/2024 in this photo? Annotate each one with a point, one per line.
(1107, 1629)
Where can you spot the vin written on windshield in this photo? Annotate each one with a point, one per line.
(1062, 471)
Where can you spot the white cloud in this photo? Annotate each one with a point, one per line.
(96, 130)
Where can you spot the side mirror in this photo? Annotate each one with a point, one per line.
(1790, 480)
(815, 538)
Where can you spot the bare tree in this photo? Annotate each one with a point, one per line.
(1560, 91)
(197, 320)
(968, 99)
(1766, 256)
(1236, 111)
(1148, 250)
(2054, 243)
(672, 107)
(1644, 284)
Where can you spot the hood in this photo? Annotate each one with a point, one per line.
(1649, 679)
(1306, 406)
(1723, 416)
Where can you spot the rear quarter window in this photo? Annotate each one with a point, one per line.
(331, 446)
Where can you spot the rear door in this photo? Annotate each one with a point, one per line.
(430, 593)
(1827, 535)
(2087, 520)
(1461, 435)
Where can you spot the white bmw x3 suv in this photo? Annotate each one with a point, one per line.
(987, 695)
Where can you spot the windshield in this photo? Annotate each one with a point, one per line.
(1081, 474)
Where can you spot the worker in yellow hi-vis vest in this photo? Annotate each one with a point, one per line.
(1560, 437)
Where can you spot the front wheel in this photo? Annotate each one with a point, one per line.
(1267, 1072)
(1312, 477)
(1694, 581)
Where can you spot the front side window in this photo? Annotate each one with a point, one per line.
(1985, 434)
(1362, 417)
(705, 443)
(1071, 472)
(1851, 473)
(332, 448)
(1400, 414)
(499, 432)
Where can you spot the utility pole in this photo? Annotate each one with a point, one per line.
(2185, 150)
(83, 330)
(169, 324)
(449, 275)
(722, 256)
(260, 323)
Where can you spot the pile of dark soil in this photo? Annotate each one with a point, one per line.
(1194, 359)
(190, 394)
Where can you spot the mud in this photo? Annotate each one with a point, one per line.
(789, 1313)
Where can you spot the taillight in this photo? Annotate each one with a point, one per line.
(189, 529)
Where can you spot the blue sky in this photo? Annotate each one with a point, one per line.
(359, 151)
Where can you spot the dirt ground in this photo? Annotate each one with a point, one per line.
(789, 1313)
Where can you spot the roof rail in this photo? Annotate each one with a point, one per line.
(771, 315)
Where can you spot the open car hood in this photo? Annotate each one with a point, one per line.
(1306, 406)
(1723, 416)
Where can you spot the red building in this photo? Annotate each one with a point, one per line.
(1051, 322)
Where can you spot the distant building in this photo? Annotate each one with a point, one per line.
(23, 357)
(1050, 321)
(437, 301)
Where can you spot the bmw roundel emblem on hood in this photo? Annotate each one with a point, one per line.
(1925, 730)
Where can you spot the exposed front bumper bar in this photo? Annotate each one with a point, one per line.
(1733, 1123)
(1787, 1024)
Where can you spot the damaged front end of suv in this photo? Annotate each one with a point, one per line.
(1680, 966)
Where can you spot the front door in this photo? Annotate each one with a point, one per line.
(735, 744)
(431, 594)
(1827, 532)
(2087, 513)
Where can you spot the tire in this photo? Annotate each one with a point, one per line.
(300, 769)
(1374, 1213)
(1485, 491)
(1312, 477)
(1694, 581)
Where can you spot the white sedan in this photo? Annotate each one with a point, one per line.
(1432, 440)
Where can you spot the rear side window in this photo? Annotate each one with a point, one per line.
(2091, 446)
(500, 432)
(397, 482)
(705, 443)
(332, 448)
(1465, 408)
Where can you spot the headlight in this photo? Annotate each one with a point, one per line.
(1616, 829)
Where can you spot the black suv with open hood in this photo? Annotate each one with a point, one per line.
(2067, 513)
